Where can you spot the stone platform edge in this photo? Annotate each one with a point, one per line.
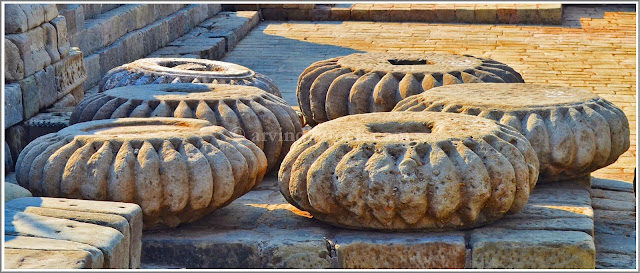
(522, 13)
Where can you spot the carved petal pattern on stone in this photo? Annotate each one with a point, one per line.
(573, 131)
(184, 70)
(177, 170)
(266, 120)
(374, 82)
(402, 171)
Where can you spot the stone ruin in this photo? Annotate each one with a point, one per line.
(182, 149)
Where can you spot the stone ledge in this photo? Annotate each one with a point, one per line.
(113, 228)
(212, 38)
(545, 14)
(262, 230)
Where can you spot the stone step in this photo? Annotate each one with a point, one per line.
(93, 10)
(521, 13)
(109, 231)
(143, 41)
(105, 28)
(212, 38)
(262, 230)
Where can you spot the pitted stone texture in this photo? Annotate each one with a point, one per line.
(177, 170)
(184, 70)
(80, 209)
(265, 119)
(402, 171)
(573, 131)
(108, 240)
(41, 248)
(531, 249)
(368, 250)
(13, 110)
(13, 63)
(375, 82)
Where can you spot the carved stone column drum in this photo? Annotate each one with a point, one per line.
(375, 82)
(266, 120)
(177, 170)
(184, 70)
(409, 171)
(573, 131)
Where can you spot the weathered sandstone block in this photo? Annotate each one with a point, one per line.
(375, 82)
(70, 73)
(266, 120)
(573, 131)
(402, 171)
(177, 170)
(184, 70)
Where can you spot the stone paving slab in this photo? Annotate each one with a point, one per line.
(261, 230)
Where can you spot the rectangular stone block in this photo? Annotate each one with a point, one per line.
(486, 14)
(465, 14)
(74, 18)
(63, 38)
(92, 65)
(360, 14)
(231, 26)
(51, 41)
(400, 250)
(30, 97)
(108, 240)
(46, 84)
(340, 14)
(203, 249)
(34, 13)
(92, 259)
(506, 14)
(131, 212)
(550, 14)
(320, 14)
(69, 73)
(527, 14)
(274, 14)
(15, 19)
(585, 225)
(13, 111)
(13, 64)
(46, 259)
(297, 249)
(445, 13)
(379, 14)
(531, 249)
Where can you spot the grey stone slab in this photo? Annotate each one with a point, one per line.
(92, 65)
(95, 258)
(190, 248)
(131, 212)
(50, 12)
(400, 250)
(23, 42)
(615, 261)
(13, 64)
(46, 259)
(569, 224)
(62, 35)
(610, 204)
(531, 249)
(610, 184)
(299, 249)
(51, 41)
(30, 97)
(46, 84)
(553, 210)
(609, 243)
(108, 240)
(560, 196)
(34, 13)
(116, 222)
(613, 195)
(15, 19)
(13, 111)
